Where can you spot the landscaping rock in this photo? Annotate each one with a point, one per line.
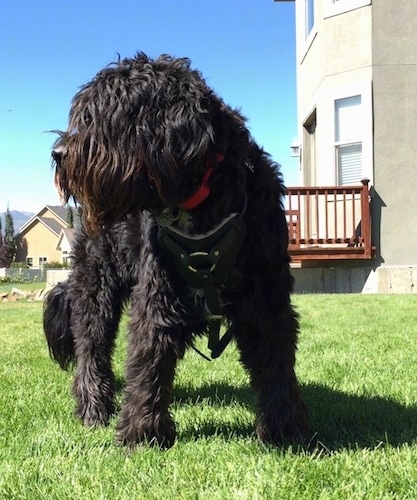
(17, 294)
(20, 293)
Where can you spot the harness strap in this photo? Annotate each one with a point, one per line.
(214, 314)
(205, 261)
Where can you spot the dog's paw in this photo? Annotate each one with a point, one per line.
(159, 432)
(279, 431)
(94, 398)
(91, 415)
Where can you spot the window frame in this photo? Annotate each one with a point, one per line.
(324, 103)
(339, 173)
(44, 261)
(353, 139)
(309, 12)
(65, 256)
(305, 38)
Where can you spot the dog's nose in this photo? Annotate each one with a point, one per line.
(57, 154)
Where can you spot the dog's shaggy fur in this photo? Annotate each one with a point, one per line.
(141, 136)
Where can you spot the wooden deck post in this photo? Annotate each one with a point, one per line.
(366, 219)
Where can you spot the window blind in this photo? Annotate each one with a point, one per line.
(349, 160)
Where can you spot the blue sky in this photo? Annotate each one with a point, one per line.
(48, 49)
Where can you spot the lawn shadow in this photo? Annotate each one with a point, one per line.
(338, 420)
(218, 396)
(343, 420)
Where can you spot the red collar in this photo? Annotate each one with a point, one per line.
(203, 191)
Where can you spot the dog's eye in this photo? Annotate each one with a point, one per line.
(57, 154)
(145, 177)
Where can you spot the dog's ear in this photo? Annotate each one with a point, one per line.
(181, 147)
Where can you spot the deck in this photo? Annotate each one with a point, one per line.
(329, 223)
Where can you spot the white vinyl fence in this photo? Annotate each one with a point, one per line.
(25, 275)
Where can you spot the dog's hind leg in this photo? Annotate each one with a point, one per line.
(268, 352)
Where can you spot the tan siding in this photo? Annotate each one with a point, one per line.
(37, 240)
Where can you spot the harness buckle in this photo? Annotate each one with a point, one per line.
(214, 317)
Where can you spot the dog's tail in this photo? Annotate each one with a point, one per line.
(57, 327)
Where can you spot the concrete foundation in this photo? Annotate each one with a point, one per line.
(360, 279)
(382, 279)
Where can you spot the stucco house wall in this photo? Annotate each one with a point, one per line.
(394, 74)
(369, 48)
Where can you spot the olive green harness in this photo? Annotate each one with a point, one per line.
(206, 261)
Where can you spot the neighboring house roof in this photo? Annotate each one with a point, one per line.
(52, 224)
(68, 234)
(61, 212)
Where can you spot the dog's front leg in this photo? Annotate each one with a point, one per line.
(96, 311)
(157, 339)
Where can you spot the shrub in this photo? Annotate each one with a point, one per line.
(19, 265)
(54, 264)
(13, 278)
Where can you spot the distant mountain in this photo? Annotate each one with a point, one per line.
(19, 218)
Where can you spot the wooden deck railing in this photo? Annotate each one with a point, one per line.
(329, 222)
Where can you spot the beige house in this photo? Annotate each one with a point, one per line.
(357, 108)
(45, 238)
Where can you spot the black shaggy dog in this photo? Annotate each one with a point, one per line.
(183, 217)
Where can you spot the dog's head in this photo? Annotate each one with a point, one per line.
(142, 135)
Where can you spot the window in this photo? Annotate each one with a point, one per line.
(348, 140)
(306, 23)
(349, 162)
(66, 257)
(309, 17)
(42, 261)
(29, 261)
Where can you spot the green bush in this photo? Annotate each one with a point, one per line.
(18, 278)
(19, 265)
(54, 264)
(14, 278)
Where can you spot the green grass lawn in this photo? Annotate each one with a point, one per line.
(25, 287)
(357, 366)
